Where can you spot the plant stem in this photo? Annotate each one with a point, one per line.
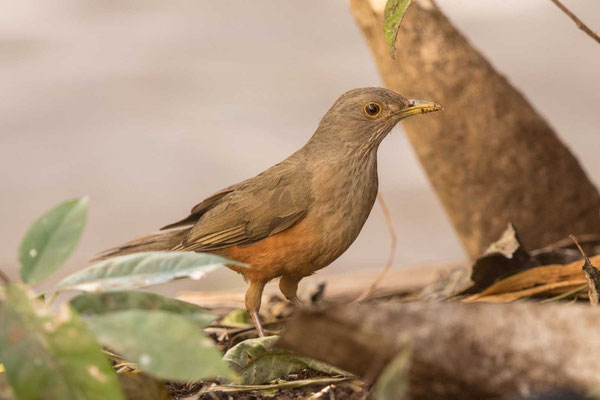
(579, 23)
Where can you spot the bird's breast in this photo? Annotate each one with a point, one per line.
(344, 196)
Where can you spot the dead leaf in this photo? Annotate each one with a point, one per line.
(258, 361)
(502, 258)
(547, 279)
(592, 274)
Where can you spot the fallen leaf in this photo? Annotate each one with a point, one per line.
(552, 275)
(592, 274)
(258, 361)
(502, 258)
(509, 297)
(237, 318)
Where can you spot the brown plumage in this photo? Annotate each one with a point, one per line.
(301, 214)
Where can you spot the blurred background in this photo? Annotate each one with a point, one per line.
(149, 106)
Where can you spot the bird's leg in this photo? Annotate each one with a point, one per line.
(253, 298)
(288, 285)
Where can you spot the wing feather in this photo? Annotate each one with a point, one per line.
(261, 208)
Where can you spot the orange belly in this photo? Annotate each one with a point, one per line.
(290, 252)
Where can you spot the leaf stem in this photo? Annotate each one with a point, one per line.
(577, 21)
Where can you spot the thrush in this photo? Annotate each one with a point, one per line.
(301, 214)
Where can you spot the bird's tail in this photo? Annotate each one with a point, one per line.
(157, 241)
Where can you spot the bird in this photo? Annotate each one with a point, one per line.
(301, 214)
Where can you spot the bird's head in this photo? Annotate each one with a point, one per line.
(361, 118)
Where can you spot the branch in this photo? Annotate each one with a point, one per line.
(579, 22)
(459, 351)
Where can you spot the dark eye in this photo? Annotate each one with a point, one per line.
(372, 109)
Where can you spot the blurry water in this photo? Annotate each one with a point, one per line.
(148, 106)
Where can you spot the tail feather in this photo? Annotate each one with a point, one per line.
(158, 241)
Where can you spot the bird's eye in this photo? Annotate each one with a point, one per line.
(372, 109)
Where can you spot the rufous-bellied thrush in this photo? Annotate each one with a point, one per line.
(301, 214)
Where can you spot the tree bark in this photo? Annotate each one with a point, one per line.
(492, 159)
(459, 351)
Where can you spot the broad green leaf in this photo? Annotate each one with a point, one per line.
(392, 17)
(237, 318)
(51, 356)
(393, 381)
(92, 304)
(163, 344)
(51, 239)
(257, 361)
(142, 269)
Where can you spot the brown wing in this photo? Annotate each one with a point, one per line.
(200, 208)
(264, 206)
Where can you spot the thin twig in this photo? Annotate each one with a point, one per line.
(585, 257)
(388, 266)
(579, 23)
(4, 278)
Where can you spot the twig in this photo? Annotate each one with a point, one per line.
(579, 23)
(388, 266)
(574, 239)
(4, 278)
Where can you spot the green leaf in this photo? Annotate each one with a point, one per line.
(392, 17)
(257, 361)
(162, 344)
(393, 381)
(142, 269)
(92, 304)
(237, 318)
(51, 356)
(51, 239)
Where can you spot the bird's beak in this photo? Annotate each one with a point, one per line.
(419, 107)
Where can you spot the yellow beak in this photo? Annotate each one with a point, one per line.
(420, 107)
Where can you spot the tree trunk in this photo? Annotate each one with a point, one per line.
(459, 351)
(490, 156)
